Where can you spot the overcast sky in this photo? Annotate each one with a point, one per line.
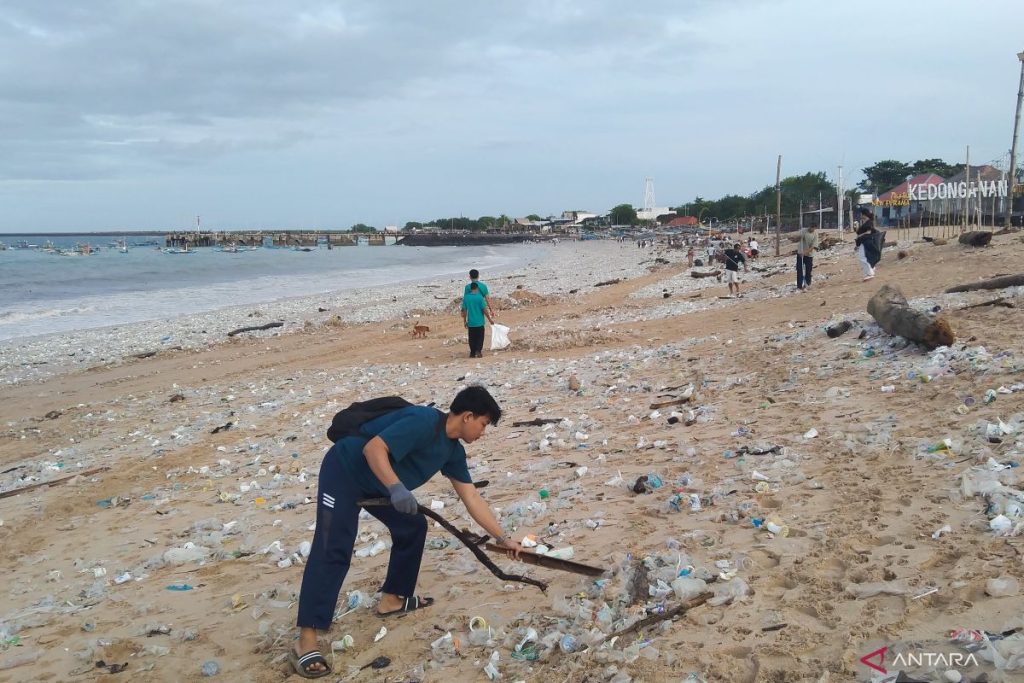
(138, 114)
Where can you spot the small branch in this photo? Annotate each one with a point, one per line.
(53, 482)
(664, 616)
(1001, 301)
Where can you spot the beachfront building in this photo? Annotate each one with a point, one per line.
(896, 208)
(983, 196)
(682, 222)
(977, 194)
(653, 213)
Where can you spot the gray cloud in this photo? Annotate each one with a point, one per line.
(391, 111)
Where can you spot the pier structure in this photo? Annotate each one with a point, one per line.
(270, 238)
(311, 239)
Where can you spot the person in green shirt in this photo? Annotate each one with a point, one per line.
(474, 277)
(805, 257)
(474, 311)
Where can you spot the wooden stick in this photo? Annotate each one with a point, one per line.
(549, 562)
(658, 618)
(1001, 301)
(466, 541)
(52, 482)
(673, 402)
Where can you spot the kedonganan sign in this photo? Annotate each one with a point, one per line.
(960, 190)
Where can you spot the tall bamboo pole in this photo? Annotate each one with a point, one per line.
(778, 205)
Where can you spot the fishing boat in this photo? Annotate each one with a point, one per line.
(183, 250)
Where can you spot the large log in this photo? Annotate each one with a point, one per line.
(890, 309)
(994, 283)
(698, 274)
(976, 239)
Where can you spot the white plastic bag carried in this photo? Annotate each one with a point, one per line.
(499, 337)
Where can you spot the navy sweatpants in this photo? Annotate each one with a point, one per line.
(804, 266)
(337, 524)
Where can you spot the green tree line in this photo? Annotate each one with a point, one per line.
(797, 190)
(805, 190)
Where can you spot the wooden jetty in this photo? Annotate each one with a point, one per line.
(274, 238)
(311, 239)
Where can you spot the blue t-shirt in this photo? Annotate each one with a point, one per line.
(473, 304)
(418, 445)
(482, 286)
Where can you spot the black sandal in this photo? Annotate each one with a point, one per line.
(410, 604)
(302, 664)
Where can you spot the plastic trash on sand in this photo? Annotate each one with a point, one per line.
(499, 337)
(1003, 587)
(870, 590)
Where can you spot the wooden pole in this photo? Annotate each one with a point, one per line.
(778, 205)
(1012, 175)
(965, 220)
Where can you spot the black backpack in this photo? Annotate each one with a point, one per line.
(349, 421)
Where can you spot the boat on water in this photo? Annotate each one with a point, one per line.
(3, 247)
(122, 246)
(183, 250)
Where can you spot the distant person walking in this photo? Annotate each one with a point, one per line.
(689, 257)
(474, 311)
(754, 247)
(805, 257)
(733, 258)
(867, 252)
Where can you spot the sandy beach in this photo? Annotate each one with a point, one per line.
(178, 543)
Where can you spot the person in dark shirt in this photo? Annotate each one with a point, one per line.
(396, 453)
(865, 243)
(733, 258)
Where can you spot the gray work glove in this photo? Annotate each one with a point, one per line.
(402, 499)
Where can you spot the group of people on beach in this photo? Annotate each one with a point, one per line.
(867, 246)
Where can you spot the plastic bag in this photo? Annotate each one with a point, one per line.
(499, 337)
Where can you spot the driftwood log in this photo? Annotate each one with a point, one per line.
(609, 282)
(994, 283)
(890, 310)
(538, 421)
(839, 329)
(268, 326)
(976, 239)
(697, 274)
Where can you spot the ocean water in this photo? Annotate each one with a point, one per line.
(43, 292)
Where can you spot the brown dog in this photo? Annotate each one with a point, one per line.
(420, 331)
